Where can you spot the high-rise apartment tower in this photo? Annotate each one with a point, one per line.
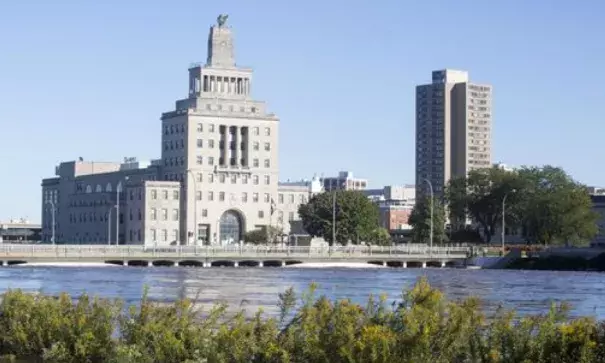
(453, 129)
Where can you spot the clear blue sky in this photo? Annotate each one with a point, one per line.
(91, 78)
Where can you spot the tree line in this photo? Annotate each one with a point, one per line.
(545, 204)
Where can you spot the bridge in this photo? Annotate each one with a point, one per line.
(232, 256)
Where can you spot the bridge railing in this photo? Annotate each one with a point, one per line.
(107, 251)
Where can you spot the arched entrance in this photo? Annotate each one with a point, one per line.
(230, 227)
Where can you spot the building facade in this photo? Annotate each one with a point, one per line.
(19, 231)
(344, 181)
(216, 179)
(395, 204)
(453, 129)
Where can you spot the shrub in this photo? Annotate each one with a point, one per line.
(422, 327)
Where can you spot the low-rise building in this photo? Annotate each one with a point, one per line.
(19, 231)
(344, 181)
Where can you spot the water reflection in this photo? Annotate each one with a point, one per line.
(252, 288)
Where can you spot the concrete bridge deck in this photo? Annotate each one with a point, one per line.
(210, 256)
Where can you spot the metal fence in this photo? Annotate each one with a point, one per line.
(105, 251)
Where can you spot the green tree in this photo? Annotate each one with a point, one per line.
(356, 216)
(380, 237)
(479, 197)
(555, 209)
(263, 235)
(420, 220)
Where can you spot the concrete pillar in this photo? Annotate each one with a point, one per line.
(235, 264)
(125, 263)
(149, 263)
(206, 264)
(260, 264)
(424, 265)
(442, 264)
(176, 263)
(283, 264)
(384, 263)
(404, 264)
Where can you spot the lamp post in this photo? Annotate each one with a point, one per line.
(118, 188)
(431, 231)
(189, 172)
(52, 211)
(504, 217)
(109, 225)
(333, 218)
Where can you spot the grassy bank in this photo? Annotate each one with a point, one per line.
(422, 327)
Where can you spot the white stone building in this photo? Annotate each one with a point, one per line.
(217, 177)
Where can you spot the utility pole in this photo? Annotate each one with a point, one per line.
(431, 231)
(118, 188)
(333, 218)
(53, 211)
(195, 229)
(504, 218)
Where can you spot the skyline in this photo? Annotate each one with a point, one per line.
(131, 72)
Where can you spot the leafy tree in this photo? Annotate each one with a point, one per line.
(555, 209)
(380, 237)
(356, 216)
(479, 197)
(420, 220)
(263, 235)
(549, 205)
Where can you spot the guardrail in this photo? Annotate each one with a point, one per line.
(106, 251)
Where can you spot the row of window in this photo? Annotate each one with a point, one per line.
(255, 197)
(255, 130)
(153, 215)
(162, 234)
(165, 194)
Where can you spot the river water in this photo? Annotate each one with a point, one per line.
(528, 292)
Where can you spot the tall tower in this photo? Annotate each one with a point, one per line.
(453, 129)
(223, 145)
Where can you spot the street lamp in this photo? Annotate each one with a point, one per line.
(53, 211)
(504, 217)
(109, 225)
(118, 188)
(333, 217)
(431, 231)
(189, 172)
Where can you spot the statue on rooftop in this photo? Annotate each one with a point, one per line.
(222, 19)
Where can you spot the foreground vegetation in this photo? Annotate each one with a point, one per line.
(422, 327)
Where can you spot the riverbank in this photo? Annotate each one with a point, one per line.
(421, 327)
(559, 263)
